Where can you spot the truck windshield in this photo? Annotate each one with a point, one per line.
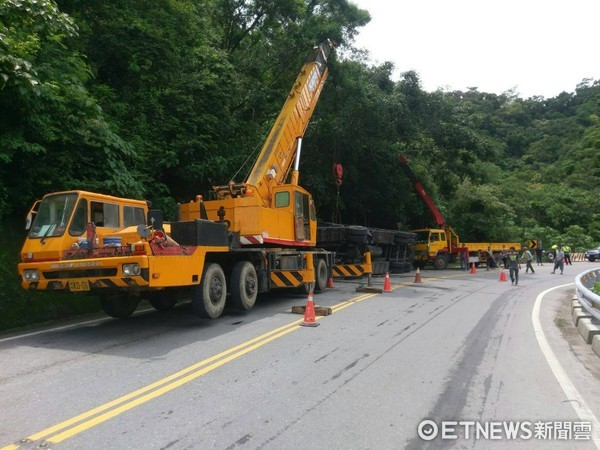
(53, 216)
(422, 237)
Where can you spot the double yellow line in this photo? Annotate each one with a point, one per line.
(71, 427)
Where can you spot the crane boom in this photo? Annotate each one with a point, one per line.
(277, 154)
(439, 219)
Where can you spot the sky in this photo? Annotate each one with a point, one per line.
(538, 48)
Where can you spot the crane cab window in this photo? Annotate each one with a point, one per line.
(282, 199)
(434, 237)
(302, 215)
(104, 214)
(422, 237)
(443, 238)
(302, 205)
(133, 215)
(313, 212)
(79, 222)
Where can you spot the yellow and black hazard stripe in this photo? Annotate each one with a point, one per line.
(114, 283)
(100, 283)
(286, 278)
(349, 270)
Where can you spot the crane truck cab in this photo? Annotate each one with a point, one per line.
(438, 246)
(67, 222)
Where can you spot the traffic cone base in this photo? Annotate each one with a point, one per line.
(473, 269)
(387, 286)
(309, 313)
(502, 276)
(418, 276)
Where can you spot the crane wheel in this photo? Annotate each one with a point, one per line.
(440, 262)
(244, 286)
(208, 298)
(119, 306)
(320, 275)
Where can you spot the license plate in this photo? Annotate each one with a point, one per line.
(79, 285)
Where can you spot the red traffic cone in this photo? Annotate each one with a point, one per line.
(309, 313)
(418, 276)
(387, 286)
(502, 276)
(330, 282)
(473, 269)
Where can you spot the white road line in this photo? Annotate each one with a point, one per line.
(66, 327)
(579, 405)
(49, 330)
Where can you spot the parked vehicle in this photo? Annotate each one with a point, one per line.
(252, 237)
(593, 254)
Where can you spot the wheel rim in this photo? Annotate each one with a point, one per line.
(215, 290)
(250, 284)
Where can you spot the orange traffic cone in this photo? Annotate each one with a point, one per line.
(418, 276)
(473, 269)
(387, 287)
(502, 276)
(330, 282)
(309, 313)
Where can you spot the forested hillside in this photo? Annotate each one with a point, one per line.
(162, 99)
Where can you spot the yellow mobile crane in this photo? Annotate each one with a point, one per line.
(265, 210)
(256, 236)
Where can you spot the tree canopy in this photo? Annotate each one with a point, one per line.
(162, 99)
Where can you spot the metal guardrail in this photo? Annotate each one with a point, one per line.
(583, 284)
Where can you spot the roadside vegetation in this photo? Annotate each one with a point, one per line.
(162, 99)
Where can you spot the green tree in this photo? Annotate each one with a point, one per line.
(478, 213)
(53, 133)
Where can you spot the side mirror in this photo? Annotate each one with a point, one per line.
(31, 215)
(29, 219)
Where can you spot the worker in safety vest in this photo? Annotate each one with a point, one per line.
(553, 251)
(567, 251)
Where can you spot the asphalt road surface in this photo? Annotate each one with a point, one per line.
(459, 361)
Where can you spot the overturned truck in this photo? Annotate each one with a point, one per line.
(354, 245)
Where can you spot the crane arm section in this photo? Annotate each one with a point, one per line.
(277, 155)
(439, 219)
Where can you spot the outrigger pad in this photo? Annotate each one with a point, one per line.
(319, 310)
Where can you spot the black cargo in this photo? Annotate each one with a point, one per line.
(200, 232)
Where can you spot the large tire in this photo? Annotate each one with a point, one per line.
(440, 262)
(119, 306)
(356, 230)
(357, 234)
(208, 298)
(592, 258)
(162, 300)
(396, 266)
(244, 286)
(320, 275)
